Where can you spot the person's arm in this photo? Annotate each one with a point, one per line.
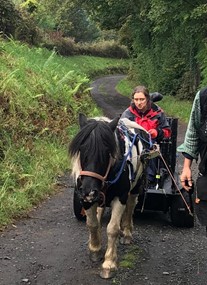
(191, 141)
(163, 130)
(160, 133)
(128, 114)
(190, 147)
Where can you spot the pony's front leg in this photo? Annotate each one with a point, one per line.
(113, 229)
(93, 224)
(127, 220)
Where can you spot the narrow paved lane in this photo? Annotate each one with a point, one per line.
(106, 96)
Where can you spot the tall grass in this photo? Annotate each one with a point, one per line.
(41, 95)
(28, 177)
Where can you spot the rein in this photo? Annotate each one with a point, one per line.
(123, 128)
(175, 183)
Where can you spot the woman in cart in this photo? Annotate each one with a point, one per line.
(151, 117)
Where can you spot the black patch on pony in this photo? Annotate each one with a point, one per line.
(94, 140)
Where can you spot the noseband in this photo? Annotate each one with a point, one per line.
(96, 175)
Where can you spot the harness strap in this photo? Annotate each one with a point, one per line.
(123, 162)
(124, 129)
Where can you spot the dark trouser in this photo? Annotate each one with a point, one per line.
(152, 169)
(201, 194)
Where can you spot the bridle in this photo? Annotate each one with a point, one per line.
(99, 177)
(96, 175)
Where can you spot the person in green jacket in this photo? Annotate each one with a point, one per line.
(194, 148)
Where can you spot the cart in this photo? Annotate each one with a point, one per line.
(167, 195)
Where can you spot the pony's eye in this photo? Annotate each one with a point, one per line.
(84, 160)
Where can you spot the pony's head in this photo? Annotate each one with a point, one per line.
(92, 151)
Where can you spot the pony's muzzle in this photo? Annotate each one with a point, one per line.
(89, 189)
(91, 196)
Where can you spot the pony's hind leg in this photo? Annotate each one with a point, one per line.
(127, 220)
(109, 265)
(93, 224)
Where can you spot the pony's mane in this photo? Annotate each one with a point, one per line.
(93, 140)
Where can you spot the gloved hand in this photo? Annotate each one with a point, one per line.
(153, 133)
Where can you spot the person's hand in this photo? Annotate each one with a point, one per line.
(153, 133)
(186, 178)
(186, 175)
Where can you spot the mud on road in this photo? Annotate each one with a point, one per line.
(49, 247)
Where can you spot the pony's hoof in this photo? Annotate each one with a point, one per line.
(107, 273)
(125, 240)
(96, 256)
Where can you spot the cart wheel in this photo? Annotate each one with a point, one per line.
(179, 213)
(77, 207)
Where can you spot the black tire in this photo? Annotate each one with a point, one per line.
(179, 213)
(77, 207)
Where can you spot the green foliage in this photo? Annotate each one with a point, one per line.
(167, 56)
(66, 28)
(202, 57)
(73, 21)
(163, 37)
(110, 14)
(65, 16)
(30, 5)
(41, 95)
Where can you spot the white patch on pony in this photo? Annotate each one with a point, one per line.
(134, 157)
(102, 118)
(76, 167)
(113, 229)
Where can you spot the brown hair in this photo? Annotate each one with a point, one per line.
(142, 89)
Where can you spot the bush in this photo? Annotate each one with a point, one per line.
(67, 46)
(110, 49)
(188, 87)
(27, 30)
(54, 40)
(9, 17)
(17, 24)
